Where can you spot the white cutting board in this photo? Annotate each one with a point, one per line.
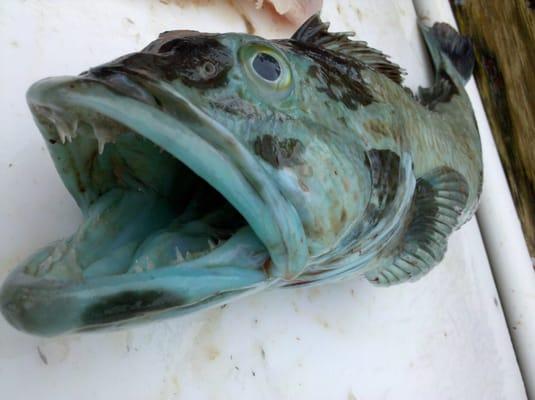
(443, 337)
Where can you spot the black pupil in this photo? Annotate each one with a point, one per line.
(267, 67)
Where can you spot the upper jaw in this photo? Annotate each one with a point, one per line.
(159, 112)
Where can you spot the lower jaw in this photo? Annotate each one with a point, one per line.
(136, 257)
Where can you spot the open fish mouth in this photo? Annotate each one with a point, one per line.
(177, 212)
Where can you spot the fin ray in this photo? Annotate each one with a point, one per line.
(439, 200)
(447, 46)
(453, 58)
(314, 31)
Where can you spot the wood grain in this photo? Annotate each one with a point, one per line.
(503, 35)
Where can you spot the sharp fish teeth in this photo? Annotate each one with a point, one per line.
(178, 255)
(105, 133)
(137, 269)
(62, 133)
(211, 244)
(101, 144)
(66, 128)
(188, 255)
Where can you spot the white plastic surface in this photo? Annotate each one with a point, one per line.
(443, 337)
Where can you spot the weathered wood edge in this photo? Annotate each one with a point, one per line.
(503, 35)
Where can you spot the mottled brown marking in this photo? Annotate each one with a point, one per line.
(305, 170)
(316, 229)
(343, 216)
(345, 183)
(337, 220)
(384, 171)
(377, 128)
(129, 304)
(315, 32)
(303, 186)
(279, 152)
(334, 74)
(199, 60)
(441, 92)
(267, 266)
(237, 106)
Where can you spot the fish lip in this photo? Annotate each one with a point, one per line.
(208, 149)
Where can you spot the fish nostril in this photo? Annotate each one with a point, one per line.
(207, 70)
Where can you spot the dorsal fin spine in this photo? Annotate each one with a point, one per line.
(315, 32)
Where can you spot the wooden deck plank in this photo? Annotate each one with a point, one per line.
(503, 34)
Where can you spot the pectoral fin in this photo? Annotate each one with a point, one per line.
(439, 200)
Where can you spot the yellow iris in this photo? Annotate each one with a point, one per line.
(267, 68)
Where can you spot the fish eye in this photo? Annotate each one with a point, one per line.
(267, 69)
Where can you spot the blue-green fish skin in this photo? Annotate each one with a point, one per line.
(213, 166)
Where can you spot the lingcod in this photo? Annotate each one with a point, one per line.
(212, 166)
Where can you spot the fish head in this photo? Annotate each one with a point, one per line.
(251, 101)
(205, 165)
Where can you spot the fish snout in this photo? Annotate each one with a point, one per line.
(120, 81)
